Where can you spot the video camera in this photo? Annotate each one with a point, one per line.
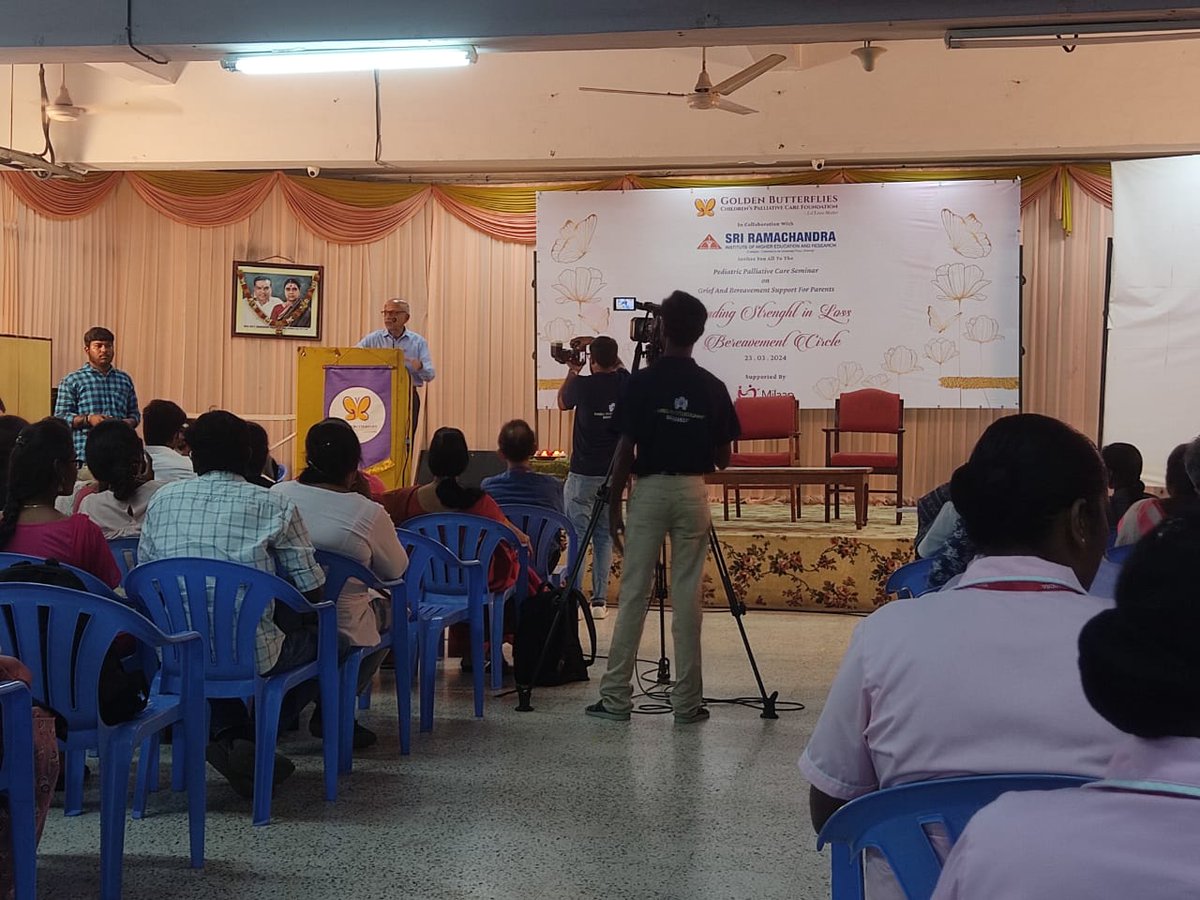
(576, 355)
(646, 331)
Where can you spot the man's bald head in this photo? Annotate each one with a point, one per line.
(395, 316)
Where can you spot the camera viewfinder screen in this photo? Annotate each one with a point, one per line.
(624, 303)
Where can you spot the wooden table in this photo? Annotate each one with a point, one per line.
(792, 477)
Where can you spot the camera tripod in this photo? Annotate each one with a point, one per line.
(660, 588)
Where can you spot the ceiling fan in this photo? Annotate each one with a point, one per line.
(707, 95)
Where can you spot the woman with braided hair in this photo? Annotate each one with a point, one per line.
(124, 476)
(41, 468)
(1135, 832)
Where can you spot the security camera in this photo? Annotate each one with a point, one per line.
(817, 164)
(314, 171)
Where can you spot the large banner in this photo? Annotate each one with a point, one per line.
(811, 290)
(362, 396)
(1154, 317)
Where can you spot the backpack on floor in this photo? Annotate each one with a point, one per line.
(564, 660)
(122, 693)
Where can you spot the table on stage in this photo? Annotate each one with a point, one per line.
(792, 477)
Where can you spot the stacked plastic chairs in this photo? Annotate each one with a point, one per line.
(63, 636)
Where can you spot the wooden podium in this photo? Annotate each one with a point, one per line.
(381, 421)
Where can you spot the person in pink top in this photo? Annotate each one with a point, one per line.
(981, 678)
(41, 468)
(1134, 833)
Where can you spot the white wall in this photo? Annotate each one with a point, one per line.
(513, 112)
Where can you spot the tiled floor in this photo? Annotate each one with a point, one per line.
(548, 804)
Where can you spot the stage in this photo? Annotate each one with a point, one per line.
(806, 565)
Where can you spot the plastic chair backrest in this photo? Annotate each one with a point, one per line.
(766, 418)
(911, 579)
(1118, 555)
(468, 538)
(124, 551)
(93, 584)
(542, 526)
(426, 557)
(894, 822)
(870, 410)
(62, 636)
(223, 601)
(17, 784)
(340, 569)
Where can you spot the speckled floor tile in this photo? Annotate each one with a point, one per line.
(548, 804)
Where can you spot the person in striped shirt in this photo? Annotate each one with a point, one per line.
(97, 391)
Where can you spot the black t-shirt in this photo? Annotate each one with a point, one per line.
(594, 397)
(677, 414)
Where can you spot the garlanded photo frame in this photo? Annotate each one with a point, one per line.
(275, 300)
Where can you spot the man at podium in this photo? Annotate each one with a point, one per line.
(395, 335)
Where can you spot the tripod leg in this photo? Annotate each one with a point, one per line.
(660, 594)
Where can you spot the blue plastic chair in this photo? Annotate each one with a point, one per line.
(124, 551)
(911, 579)
(894, 821)
(63, 636)
(439, 590)
(16, 784)
(230, 602)
(542, 526)
(474, 538)
(1118, 555)
(91, 583)
(400, 638)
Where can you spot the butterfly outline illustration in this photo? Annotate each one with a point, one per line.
(937, 323)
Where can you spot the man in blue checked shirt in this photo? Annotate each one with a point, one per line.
(395, 335)
(97, 391)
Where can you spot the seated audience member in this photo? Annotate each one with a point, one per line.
(41, 468)
(516, 445)
(45, 772)
(448, 458)
(10, 427)
(163, 425)
(124, 481)
(1135, 833)
(980, 678)
(1144, 515)
(339, 518)
(1124, 462)
(217, 515)
(261, 469)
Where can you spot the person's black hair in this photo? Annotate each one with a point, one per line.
(220, 442)
(10, 427)
(683, 319)
(1023, 472)
(1138, 661)
(517, 441)
(1124, 462)
(34, 467)
(97, 333)
(258, 278)
(448, 458)
(1179, 485)
(161, 421)
(604, 352)
(332, 451)
(294, 281)
(115, 457)
(260, 450)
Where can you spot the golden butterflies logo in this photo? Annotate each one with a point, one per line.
(357, 408)
(706, 207)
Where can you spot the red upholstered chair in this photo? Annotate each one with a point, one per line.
(869, 411)
(765, 419)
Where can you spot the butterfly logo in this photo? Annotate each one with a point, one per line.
(681, 403)
(706, 207)
(937, 323)
(357, 409)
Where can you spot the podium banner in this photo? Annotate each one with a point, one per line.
(362, 396)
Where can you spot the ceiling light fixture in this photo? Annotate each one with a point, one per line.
(1072, 34)
(867, 55)
(303, 62)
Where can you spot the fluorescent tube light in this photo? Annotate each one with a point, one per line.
(365, 60)
(1072, 34)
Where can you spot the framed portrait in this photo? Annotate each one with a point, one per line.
(277, 301)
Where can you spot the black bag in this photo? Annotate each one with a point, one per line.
(564, 661)
(122, 694)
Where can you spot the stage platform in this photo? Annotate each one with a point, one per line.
(807, 565)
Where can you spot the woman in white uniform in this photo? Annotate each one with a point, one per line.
(980, 679)
(1135, 833)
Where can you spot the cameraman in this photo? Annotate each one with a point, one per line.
(592, 445)
(676, 423)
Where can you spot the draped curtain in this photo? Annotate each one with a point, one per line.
(150, 256)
